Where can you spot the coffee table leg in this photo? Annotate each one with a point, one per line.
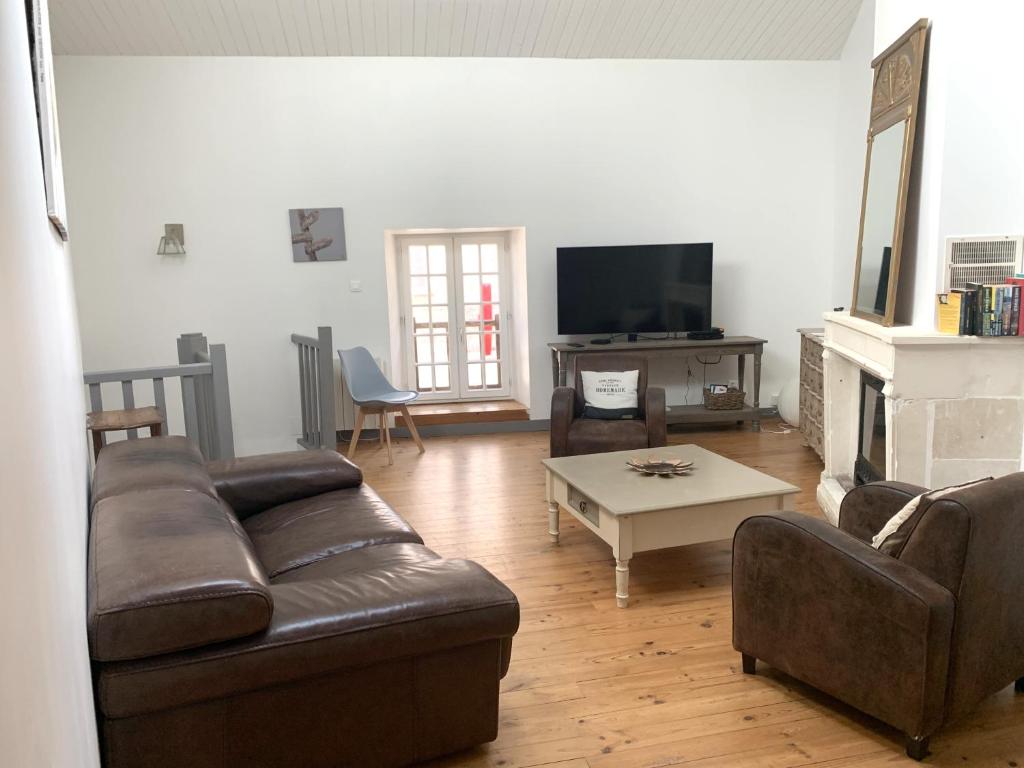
(622, 583)
(552, 507)
(623, 552)
(553, 521)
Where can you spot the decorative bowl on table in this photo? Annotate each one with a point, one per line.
(666, 467)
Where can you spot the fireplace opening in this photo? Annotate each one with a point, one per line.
(870, 463)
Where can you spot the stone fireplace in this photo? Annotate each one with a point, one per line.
(917, 406)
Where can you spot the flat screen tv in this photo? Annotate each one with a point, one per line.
(634, 289)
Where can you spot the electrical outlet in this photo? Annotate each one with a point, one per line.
(775, 400)
(355, 286)
(733, 383)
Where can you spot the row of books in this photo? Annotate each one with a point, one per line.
(989, 309)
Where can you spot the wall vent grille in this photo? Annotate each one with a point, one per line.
(983, 259)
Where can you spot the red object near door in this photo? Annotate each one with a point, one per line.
(487, 315)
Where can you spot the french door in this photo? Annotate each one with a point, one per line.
(454, 316)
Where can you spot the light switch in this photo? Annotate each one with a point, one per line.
(355, 286)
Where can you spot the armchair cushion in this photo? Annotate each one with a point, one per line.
(610, 394)
(255, 483)
(601, 436)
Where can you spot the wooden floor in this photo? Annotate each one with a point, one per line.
(656, 684)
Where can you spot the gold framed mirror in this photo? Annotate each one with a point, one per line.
(895, 100)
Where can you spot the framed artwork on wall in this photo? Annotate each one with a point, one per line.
(318, 234)
(46, 113)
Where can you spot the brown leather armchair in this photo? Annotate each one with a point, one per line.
(572, 434)
(915, 638)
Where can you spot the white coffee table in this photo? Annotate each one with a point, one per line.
(639, 513)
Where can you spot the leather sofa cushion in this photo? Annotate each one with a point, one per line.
(256, 483)
(599, 436)
(355, 561)
(147, 464)
(397, 601)
(169, 570)
(301, 532)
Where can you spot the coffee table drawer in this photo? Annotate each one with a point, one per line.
(584, 505)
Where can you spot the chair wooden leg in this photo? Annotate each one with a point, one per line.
(749, 664)
(360, 416)
(97, 443)
(412, 428)
(917, 749)
(387, 435)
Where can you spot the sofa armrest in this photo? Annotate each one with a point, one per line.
(563, 409)
(654, 415)
(255, 483)
(867, 508)
(831, 611)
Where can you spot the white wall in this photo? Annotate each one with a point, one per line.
(46, 714)
(983, 161)
(854, 94)
(577, 152)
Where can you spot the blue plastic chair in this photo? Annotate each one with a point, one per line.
(372, 393)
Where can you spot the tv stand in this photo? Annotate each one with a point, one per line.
(563, 358)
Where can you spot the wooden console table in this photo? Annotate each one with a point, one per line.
(563, 360)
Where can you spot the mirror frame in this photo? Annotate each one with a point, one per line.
(895, 98)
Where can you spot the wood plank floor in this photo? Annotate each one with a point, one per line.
(656, 684)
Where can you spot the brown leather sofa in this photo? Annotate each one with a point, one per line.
(572, 434)
(274, 611)
(915, 638)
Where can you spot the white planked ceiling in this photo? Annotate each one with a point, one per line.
(643, 29)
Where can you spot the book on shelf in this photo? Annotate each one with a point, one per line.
(1014, 326)
(989, 309)
(973, 321)
(965, 322)
(1018, 284)
(949, 311)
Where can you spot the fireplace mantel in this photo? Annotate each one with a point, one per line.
(954, 405)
